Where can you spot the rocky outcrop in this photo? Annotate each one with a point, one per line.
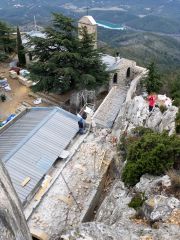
(115, 220)
(160, 207)
(12, 222)
(150, 184)
(135, 113)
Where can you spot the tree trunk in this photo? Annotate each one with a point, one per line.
(12, 221)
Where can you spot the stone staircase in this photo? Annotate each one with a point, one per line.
(106, 114)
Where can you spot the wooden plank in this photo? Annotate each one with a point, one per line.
(25, 182)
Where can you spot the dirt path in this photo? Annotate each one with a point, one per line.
(15, 97)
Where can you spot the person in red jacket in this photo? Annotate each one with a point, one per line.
(152, 101)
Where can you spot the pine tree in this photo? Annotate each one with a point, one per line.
(7, 42)
(20, 49)
(153, 81)
(92, 69)
(63, 61)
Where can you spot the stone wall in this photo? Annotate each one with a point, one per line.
(124, 76)
(12, 222)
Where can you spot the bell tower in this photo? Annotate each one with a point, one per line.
(91, 26)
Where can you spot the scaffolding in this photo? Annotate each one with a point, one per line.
(86, 98)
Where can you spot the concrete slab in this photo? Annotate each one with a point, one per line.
(74, 194)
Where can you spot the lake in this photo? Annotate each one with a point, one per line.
(110, 25)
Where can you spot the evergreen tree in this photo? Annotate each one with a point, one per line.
(7, 41)
(63, 61)
(153, 81)
(152, 153)
(20, 49)
(92, 70)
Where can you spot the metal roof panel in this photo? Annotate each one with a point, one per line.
(31, 145)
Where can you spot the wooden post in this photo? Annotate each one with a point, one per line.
(13, 225)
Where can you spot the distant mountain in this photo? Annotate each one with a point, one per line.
(143, 47)
(150, 15)
(161, 16)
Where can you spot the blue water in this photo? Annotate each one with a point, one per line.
(110, 25)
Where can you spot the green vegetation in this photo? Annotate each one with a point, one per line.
(178, 122)
(143, 48)
(162, 108)
(137, 201)
(152, 153)
(63, 61)
(20, 49)
(175, 90)
(153, 81)
(155, 24)
(7, 41)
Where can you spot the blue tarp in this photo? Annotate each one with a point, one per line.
(7, 120)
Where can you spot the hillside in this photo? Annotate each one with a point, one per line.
(143, 47)
(162, 16)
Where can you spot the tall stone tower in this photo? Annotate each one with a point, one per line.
(13, 225)
(91, 25)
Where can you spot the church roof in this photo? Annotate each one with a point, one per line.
(111, 62)
(90, 18)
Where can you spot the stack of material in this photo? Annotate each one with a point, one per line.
(13, 74)
(4, 84)
(12, 116)
(24, 73)
(25, 81)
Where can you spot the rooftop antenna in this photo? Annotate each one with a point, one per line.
(35, 24)
(87, 8)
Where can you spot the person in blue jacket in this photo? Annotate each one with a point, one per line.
(82, 123)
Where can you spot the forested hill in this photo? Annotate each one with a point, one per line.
(152, 16)
(143, 47)
(149, 15)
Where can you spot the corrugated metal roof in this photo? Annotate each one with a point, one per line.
(31, 145)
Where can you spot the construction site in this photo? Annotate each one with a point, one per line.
(60, 176)
(62, 183)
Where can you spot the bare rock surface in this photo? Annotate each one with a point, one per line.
(150, 184)
(114, 221)
(160, 207)
(135, 113)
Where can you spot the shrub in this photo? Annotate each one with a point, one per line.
(152, 82)
(129, 139)
(3, 97)
(137, 201)
(124, 143)
(178, 122)
(3, 56)
(153, 153)
(140, 131)
(163, 108)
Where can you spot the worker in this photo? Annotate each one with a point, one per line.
(151, 100)
(82, 123)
